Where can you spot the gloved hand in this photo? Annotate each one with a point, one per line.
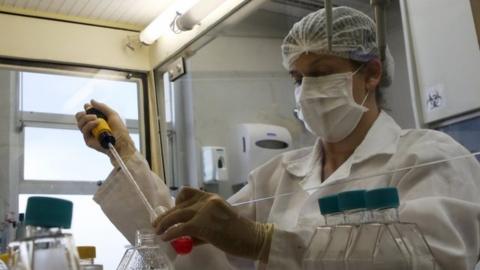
(86, 122)
(206, 217)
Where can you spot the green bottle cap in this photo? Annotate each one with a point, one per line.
(48, 212)
(382, 198)
(350, 200)
(329, 205)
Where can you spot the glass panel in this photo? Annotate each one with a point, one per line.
(465, 132)
(61, 154)
(62, 94)
(91, 227)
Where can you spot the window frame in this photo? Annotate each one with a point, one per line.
(61, 121)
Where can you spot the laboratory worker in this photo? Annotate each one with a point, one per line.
(338, 94)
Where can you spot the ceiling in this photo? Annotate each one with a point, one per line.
(137, 14)
(128, 14)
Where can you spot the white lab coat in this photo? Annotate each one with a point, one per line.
(444, 199)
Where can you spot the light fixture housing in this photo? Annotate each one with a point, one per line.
(162, 24)
(196, 14)
(181, 15)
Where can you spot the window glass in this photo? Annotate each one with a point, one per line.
(61, 154)
(62, 94)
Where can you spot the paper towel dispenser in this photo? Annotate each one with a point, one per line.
(258, 144)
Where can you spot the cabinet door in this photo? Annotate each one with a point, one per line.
(446, 56)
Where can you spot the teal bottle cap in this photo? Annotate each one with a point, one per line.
(350, 200)
(382, 198)
(48, 212)
(329, 205)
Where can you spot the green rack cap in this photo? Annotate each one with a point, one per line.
(48, 212)
(350, 200)
(382, 198)
(329, 204)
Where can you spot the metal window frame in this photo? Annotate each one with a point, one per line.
(59, 121)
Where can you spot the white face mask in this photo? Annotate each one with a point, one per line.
(327, 107)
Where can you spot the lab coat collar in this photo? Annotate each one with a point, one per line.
(382, 138)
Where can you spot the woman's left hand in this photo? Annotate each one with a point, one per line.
(206, 217)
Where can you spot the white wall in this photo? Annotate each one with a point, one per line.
(398, 96)
(54, 41)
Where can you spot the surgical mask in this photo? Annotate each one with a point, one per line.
(326, 105)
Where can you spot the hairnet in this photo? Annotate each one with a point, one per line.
(353, 37)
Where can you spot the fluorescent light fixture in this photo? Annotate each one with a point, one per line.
(182, 15)
(161, 24)
(196, 14)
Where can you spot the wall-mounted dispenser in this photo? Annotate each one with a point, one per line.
(258, 144)
(214, 164)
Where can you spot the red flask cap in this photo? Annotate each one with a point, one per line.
(182, 245)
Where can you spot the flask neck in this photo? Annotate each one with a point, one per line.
(356, 216)
(145, 238)
(334, 219)
(33, 231)
(385, 215)
(87, 261)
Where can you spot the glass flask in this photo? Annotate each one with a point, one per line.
(385, 242)
(45, 246)
(322, 236)
(352, 204)
(145, 255)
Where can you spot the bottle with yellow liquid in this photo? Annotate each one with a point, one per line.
(4, 258)
(87, 256)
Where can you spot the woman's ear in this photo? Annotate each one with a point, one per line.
(373, 74)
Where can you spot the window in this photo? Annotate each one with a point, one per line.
(56, 162)
(54, 148)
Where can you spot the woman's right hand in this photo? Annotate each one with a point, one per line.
(86, 122)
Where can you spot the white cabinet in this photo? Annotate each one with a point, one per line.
(446, 57)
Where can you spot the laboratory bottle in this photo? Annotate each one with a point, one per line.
(384, 203)
(3, 265)
(4, 261)
(45, 246)
(182, 245)
(20, 228)
(376, 246)
(87, 255)
(145, 255)
(321, 237)
(352, 204)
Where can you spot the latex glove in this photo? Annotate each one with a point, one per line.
(86, 122)
(206, 217)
